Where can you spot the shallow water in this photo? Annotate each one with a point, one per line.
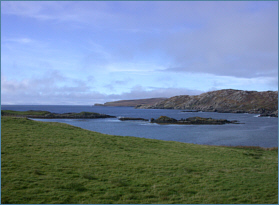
(256, 131)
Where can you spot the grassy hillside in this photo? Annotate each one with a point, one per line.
(58, 163)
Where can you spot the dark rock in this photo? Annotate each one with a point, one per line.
(164, 119)
(269, 114)
(98, 104)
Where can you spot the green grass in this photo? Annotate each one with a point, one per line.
(46, 114)
(23, 113)
(58, 163)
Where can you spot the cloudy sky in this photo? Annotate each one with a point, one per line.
(59, 52)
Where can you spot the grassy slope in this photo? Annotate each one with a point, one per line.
(23, 113)
(58, 163)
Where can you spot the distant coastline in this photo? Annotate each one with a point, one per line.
(132, 103)
(222, 101)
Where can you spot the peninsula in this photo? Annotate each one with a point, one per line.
(223, 101)
(132, 103)
(49, 115)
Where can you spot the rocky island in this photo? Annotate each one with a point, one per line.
(223, 101)
(187, 121)
(49, 115)
(92, 115)
(192, 121)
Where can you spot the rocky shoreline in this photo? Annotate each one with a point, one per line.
(262, 112)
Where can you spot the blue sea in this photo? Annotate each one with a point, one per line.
(255, 131)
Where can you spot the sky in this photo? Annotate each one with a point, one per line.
(87, 52)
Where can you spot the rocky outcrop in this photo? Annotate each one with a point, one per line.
(269, 114)
(163, 119)
(192, 121)
(228, 100)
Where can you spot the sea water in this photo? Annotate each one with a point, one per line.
(253, 130)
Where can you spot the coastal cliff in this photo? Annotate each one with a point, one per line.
(227, 100)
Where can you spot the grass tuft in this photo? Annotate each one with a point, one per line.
(37, 172)
(89, 176)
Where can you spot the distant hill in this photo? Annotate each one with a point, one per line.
(132, 103)
(227, 100)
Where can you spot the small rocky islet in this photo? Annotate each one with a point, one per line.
(192, 121)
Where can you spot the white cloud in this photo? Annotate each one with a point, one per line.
(28, 9)
(57, 89)
(226, 40)
(93, 13)
(140, 92)
(169, 48)
(221, 38)
(18, 40)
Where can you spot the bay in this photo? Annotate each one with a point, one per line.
(255, 131)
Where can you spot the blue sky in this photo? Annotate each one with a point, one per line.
(81, 53)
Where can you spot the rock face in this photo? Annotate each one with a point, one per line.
(228, 100)
(192, 120)
(269, 114)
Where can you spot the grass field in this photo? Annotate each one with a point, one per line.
(23, 113)
(58, 163)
